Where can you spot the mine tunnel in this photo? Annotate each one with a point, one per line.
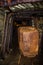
(21, 34)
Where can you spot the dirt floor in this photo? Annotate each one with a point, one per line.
(18, 59)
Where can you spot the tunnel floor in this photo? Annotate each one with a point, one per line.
(13, 59)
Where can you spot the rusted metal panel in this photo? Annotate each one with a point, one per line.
(28, 41)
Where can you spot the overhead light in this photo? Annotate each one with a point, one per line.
(25, 5)
(21, 6)
(17, 6)
(35, 5)
(12, 8)
(30, 5)
(40, 5)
